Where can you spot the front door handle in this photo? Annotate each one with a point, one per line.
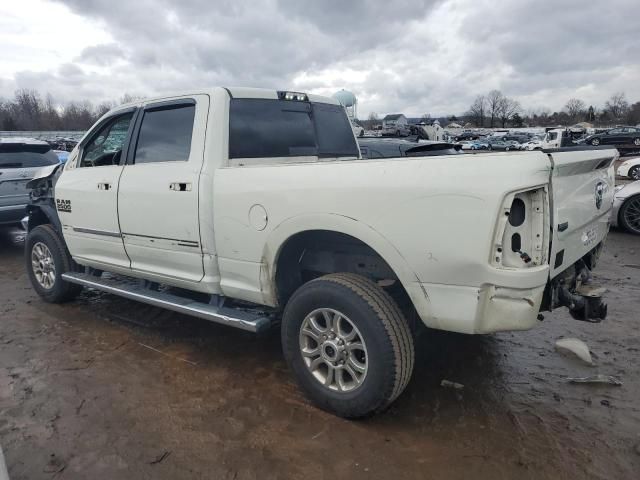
(180, 187)
(104, 186)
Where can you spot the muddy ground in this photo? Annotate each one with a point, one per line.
(104, 388)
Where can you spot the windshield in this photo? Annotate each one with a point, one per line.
(263, 128)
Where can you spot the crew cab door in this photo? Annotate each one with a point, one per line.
(86, 192)
(582, 184)
(158, 193)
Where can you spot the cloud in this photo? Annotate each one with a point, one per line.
(412, 56)
(103, 54)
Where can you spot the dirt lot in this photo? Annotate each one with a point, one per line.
(104, 388)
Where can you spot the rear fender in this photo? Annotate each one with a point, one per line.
(348, 226)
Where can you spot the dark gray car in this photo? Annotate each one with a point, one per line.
(20, 159)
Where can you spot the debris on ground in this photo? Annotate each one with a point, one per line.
(160, 458)
(605, 379)
(55, 464)
(575, 346)
(450, 384)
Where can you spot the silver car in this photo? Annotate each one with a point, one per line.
(20, 159)
(626, 207)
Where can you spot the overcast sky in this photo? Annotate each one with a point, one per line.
(411, 56)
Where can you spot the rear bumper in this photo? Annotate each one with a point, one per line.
(622, 171)
(12, 214)
(515, 304)
(474, 310)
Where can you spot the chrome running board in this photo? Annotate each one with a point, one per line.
(249, 321)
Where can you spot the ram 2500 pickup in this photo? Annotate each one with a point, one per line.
(254, 207)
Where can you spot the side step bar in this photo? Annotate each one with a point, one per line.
(251, 322)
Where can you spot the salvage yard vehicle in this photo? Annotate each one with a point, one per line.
(250, 207)
(630, 168)
(20, 159)
(616, 136)
(626, 207)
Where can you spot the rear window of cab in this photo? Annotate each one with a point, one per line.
(264, 128)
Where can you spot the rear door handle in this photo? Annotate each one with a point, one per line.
(180, 187)
(104, 186)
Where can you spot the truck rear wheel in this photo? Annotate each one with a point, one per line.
(47, 259)
(348, 344)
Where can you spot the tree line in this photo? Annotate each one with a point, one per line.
(497, 110)
(29, 111)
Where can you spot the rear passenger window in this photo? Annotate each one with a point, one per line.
(165, 134)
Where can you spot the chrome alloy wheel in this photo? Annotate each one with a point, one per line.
(632, 214)
(333, 350)
(43, 266)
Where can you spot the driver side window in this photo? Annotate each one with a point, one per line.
(105, 148)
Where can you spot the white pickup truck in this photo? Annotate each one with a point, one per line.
(253, 207)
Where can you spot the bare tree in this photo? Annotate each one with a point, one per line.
(494, 101)
(507, 108)
(617, 106)
(575, 108)
(103, 108)
(27, 107)
(128, 98)
(477, 110)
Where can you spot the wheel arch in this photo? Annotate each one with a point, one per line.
(43, 214)
(278, 249)
(620, 222)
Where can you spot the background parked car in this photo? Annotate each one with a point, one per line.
(498, 145)
(626, 207)
(473, 145)
(532, 145)
(397, 130)
(616, 136)
(630, 168)
(513, 145)
(465, 136)
(20, 159)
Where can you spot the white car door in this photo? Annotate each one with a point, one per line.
(158, 193)
(86, 193)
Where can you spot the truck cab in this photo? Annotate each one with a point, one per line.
(254, 208)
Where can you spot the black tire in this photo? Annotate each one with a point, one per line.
(595, 142)
(384, 331)
(628, 218)
(636, 141)
(60, 291)
(634, 172)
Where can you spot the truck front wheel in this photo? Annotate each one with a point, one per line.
(348, 344)
(47, 259)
